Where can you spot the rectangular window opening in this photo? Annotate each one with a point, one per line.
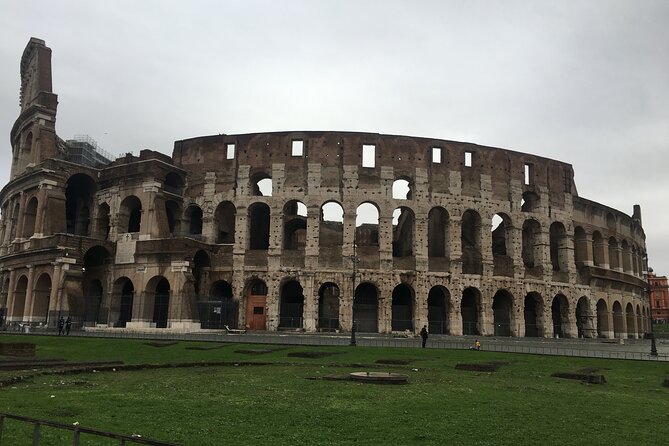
(298, 147)
(368, 155)
(436, 155)
(230, 151)
(528, 173)
(468, 159)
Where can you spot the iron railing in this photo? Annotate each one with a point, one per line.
(76, 432)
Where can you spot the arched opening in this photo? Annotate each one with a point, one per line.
(328, 307)
(402, 189)
(437, 233)
(403, 232)
(79, 194)
(96, 261)
(470, 236)
(532, 247)
(331, 234)
(292, 305)
(530, 201)
(122, 301)
(559, 248)
(597, 249)
(402, 308)
(502, 306)
(367, 225)
(365, 308)
(224, 221)
(102, 224)
(629, 316)
(438, 309)
(294, 226)
(19, 299)
(255, 305)
(29, 218)
(219, 308)
(618, 330)
(560, 316)
(130, 214)
(42, 293)
(194, 219)
(470, 309)
(161, 303)
(603, 328)
(261, 185)
(502, 245)
(533, 309)
(367, 235)
(614, 262)
(580, 246)
(259, 221)
(93, 302)
(584, 322)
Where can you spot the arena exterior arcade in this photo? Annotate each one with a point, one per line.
(308, 231)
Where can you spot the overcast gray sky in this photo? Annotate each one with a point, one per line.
(585, 82)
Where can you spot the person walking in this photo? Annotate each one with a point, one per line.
(424, 335)
(61, 324)
(68, 325)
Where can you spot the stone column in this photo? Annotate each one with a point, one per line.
(386, 242)
(310, 308)
(28, 308)
(10, 295)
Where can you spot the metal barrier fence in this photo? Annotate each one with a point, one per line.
(76, 432)
(588, 348)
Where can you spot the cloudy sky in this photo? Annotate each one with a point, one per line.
(585, 82)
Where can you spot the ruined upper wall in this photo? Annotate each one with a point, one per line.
(35, 72)
(334, 150)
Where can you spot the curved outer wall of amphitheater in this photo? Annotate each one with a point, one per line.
(310, 231)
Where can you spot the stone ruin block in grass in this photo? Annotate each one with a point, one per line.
(585, 377)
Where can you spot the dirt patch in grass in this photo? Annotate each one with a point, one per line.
(310, 354)
(479, 367)
(160, 344)
(394, 361)
(200, 347)
(585, 377)
(255, 351)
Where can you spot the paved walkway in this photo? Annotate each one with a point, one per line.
(636, 349)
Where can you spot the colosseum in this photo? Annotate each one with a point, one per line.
(308, 230)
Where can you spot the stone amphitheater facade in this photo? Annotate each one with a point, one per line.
(309, 231)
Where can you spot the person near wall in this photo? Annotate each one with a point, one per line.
(424, 335)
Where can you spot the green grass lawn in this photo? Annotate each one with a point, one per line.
(281, 403)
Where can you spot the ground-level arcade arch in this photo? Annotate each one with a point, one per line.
(122, 302)
(438, 310)
(533, 310)
(366, 308)
(328, 307)
(470, 309)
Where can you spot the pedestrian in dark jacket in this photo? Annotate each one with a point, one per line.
(424, 334)
(68, 325)
(61, 324)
